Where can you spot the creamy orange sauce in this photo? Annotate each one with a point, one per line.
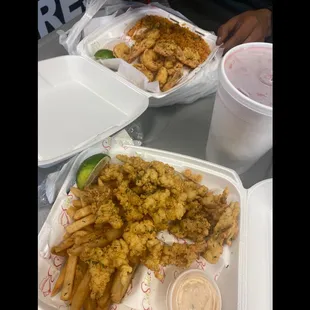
(195, 292)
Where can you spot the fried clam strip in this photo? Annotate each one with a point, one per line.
(193, 225)
(203, 211)
(102, 264)
(164, 207)
(160, 255)
(130, 202)
(109, 213)
(137, 234)
(224, 232)
(214, 206)
(153, 173)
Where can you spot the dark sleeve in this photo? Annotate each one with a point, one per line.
(260, 4)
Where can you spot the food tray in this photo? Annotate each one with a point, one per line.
(109, 36)
(245, 280)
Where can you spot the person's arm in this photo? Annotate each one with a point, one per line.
(250, 26)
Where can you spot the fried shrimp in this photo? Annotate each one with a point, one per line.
(188, 57)
(139, 48)
(151, 60)
(172, 65)
(182, 36)
(177, 67)
(159, 42)
(165, 48)
(162, 76)
(170, 62)
(153, 34)
(145, 71)
(122, 51)
(172, 80)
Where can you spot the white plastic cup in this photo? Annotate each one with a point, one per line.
(241, 128)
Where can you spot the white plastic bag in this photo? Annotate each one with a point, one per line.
(202, 84)
(70, 39)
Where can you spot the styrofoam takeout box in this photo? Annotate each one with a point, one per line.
(77, 110)
(109, 35)
(246, 283)
(81, 102)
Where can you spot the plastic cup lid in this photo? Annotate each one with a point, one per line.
(248, 68)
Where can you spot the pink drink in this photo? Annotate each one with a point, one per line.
(250, 71)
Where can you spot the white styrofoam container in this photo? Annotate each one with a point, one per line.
(76, 109)
(247, 283)
(81, 108)
(109, 35)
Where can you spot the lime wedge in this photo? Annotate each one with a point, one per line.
(104, 54)
(90, 169)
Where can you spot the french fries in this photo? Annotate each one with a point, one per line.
(66, 236)
(79, 233)
(58, 285)
(113, 234)
(61, 253)
(73, 282)
(76, 192)
(65, 244)
(84, 202)
(79, 274)
(119, 289)
(82, 213)
(75, 226)
(89, 237)
(81, 293)
(77, 204)
(100, 183)
(106, 306)
(100, 226)
(69, 278)
(71, 211)
(77, 250)
(89, 304)
(105, 299)
(89, 228)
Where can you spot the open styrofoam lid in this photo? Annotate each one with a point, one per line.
(79, 104)
(259, 247)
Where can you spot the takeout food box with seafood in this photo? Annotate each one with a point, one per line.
(165, 48)
(174, 208)
(153, 49)
(103, 101)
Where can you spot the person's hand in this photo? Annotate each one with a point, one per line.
(250, 26)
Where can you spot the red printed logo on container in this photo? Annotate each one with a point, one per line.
(46, 284)
(64, 219)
